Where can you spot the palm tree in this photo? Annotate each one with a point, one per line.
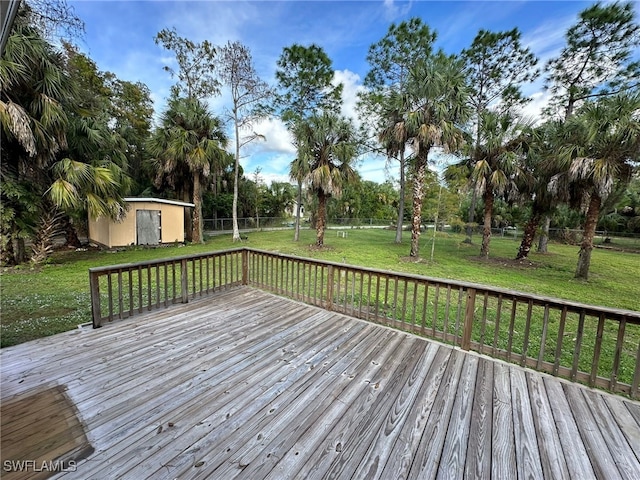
(542, 172)
(499, 165)
(327, 147)
(50, 146)
(435, 111)
(601, 143)
(187, 146)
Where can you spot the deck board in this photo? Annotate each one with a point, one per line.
(244, 384)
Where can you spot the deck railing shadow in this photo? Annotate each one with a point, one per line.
(592, 345)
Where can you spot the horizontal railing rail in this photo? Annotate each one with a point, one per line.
(594, 345)
(121, 291)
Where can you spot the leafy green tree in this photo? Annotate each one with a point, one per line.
(197, 79)
(196, 71)
(540, 164)
(496, 65)
(304, 77)
(629, 205)
(132, 112)
(391, 59)
(54, 19)
(278, 199)
(189, 139)
(44, 151)
(602, 143)
(327, 144)
(364, 199)
(502, 144)
(598, 59)
(436, 109)
(248, 94)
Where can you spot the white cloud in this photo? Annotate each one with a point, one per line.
(351, 87)
(533, 109)
(277, 138)
(392, 10)
(547, 40)
(269, 178)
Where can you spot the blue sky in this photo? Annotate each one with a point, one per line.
(120, 39)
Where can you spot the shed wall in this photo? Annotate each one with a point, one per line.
(120, 234)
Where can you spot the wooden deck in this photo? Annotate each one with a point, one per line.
(249, 385)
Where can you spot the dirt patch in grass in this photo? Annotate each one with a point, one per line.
(323, 248)
(523, 264)
(413, 259)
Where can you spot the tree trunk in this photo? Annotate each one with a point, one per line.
(529, 234)
(584, 257)
(474, 193)
(296, 235)
(321, 221)
(21, 251)
(544, 236)
(401, 202)
(472, 215)
(418, 194)
(234, 208)
(71, 236)
(48, 229)
(486, 229)
(188, 216)
(196, 235)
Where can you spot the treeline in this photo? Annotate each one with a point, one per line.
(77, 140)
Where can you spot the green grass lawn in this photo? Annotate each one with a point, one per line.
(55, 297)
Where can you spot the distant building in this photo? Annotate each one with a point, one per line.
(293, 210)
(148, 221)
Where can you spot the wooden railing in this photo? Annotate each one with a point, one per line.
(593, 345)
(121, 291)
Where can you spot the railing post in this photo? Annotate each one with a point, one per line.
(245, 267)
(184, 280)
(94, 285)
(329, 305)
(468, 319)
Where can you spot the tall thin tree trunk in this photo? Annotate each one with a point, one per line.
(474, 193)
(234, 208)
(188, 216)
(584, 257)
(486, 229)
(321, 221)
(544, 235)
(196, 236)
(529, 234)
(296, 235)
(418, 194)
(400, 221)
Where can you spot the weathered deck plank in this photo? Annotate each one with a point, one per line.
(249, 385)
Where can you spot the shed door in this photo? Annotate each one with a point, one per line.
(148, 227)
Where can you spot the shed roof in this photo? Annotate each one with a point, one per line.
(159, 200)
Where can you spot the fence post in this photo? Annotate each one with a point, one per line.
(468, 319)
(94, 285)
(245, 266)
(329, 305)
(184, 280)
